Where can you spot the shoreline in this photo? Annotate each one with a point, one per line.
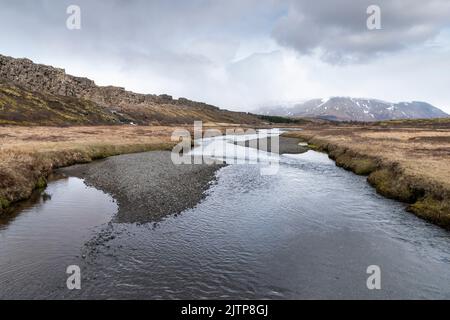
(48, 163)
(147, 186)
(426, 198)
(29, 155)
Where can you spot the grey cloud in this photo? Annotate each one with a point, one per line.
(337, 28)
(228, 52)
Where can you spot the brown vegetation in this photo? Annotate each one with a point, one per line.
(29, 154)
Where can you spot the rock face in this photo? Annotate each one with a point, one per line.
(142, 108)
(42, 78)
(353, 109)
(20, 106)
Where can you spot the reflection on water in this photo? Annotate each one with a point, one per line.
(309, 231)
(37, 245)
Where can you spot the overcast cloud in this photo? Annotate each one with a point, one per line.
(241, 54)
(338, 29)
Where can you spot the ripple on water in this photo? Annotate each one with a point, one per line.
(298, 234)
(309, 231)
(37, 245)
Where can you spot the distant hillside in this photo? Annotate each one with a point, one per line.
(39, 94)
(353, 109)
(21, 106)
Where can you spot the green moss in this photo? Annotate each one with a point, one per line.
(19, 106)
(392, 185)
(4, 203)
(432, 209)
(10, 91)
(313, 146)
(41, 183)
(278, 119)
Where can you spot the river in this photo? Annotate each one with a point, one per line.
(309, 231)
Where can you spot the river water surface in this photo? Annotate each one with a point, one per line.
(309, 231)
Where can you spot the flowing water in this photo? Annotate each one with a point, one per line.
(308, 231)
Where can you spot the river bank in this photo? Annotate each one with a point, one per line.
(30, 154)
(147, 186)
(402, 163)
(309, 231)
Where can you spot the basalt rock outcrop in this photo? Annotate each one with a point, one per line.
(124, 105)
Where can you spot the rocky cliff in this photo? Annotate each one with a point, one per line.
(141, 108)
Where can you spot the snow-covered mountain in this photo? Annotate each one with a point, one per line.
(355, 109)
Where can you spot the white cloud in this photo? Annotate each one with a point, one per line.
(225, 52)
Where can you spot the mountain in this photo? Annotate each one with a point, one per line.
(33, 93)
(355, 109)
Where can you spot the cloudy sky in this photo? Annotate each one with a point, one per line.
(241, 54)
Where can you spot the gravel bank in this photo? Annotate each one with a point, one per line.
(147, 186)
(285, 145)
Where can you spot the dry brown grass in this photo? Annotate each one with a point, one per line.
(418, 152)
(405, 163)
(409, 164)
(29, 154)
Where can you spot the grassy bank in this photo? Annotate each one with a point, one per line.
(407, 164)
(29, 154)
